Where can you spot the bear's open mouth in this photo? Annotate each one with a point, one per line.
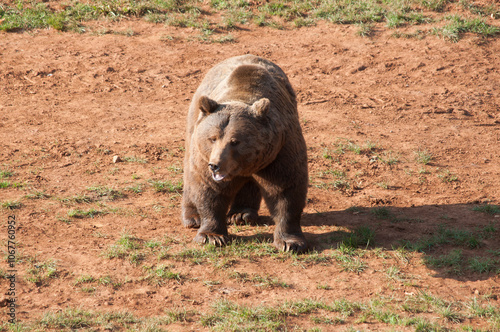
(218, 176)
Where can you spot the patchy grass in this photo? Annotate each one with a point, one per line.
(37, 195)
(104, 192)
(84, 279)
(423, 157)
(166, 186)
(278, 14)
(457, 26)
(361, 237)
(489, 209)
(365, 29)
(134, 159)
(382, 212)
(11, 205)
(40, 272)
(447, 236)
(5, 174)
(454, 261)
(77, 199)
(257, 280)
(126, 247)
(159, 274)
(446, 176)
(90, 213)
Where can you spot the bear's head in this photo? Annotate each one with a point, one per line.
(234, 139)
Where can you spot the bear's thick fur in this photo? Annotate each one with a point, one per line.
(244, 143)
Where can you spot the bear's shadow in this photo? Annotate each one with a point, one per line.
(393, 228)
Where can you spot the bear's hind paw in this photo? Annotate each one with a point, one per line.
(215, 239)
(191, 223)
(243, 217)
(194, 222)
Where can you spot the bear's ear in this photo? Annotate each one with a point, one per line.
(261, 106)
(207, 105)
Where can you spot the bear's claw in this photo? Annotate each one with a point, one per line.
(244, 217)
(217, 240)
(291, 243)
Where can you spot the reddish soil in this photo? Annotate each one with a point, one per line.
(70, 102)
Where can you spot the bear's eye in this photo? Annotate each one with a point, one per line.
(234, 142)
(212, 139)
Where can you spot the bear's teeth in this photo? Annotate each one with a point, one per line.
(218, 176)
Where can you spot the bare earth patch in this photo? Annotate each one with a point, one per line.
(404, 158)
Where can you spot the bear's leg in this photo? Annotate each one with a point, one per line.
(245, 207)
(212, 209)
(286, 209)
(190, 215)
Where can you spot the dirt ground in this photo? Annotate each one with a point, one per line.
(70, 102)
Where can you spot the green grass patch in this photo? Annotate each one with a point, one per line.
(159, 274)
(361, 237)
(41, 272)
(11, 205)
(457, 26)
(213, 17)
(350, 263)
(489, 209)
(77, 199)
(136, 189)
(103, 192)
(221, 257)
(84, 279)
(81, 214)
(134, 159)
(37, 195)
(365, 29)
(435, 5)
(166, 186)
(389, 158)
(126, 247)
(257, 280)
(72, 319)
(423, 157)
(382, 212)
(344, 145)
(484, 265)
(442, 236)
(229, 316)
(453, 261)
(492, 10)
(225, 315)
(5, 174)
(349, 12)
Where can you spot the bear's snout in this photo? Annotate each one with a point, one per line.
(217, 174)
(213, 167)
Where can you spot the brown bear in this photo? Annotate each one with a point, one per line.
(244, 143)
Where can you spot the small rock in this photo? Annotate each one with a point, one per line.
(4, 302)
(116, 159)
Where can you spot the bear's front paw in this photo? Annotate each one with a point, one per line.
(217, 240)
(244, 217)
(294, 243)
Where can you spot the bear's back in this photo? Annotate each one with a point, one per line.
(246, 71)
